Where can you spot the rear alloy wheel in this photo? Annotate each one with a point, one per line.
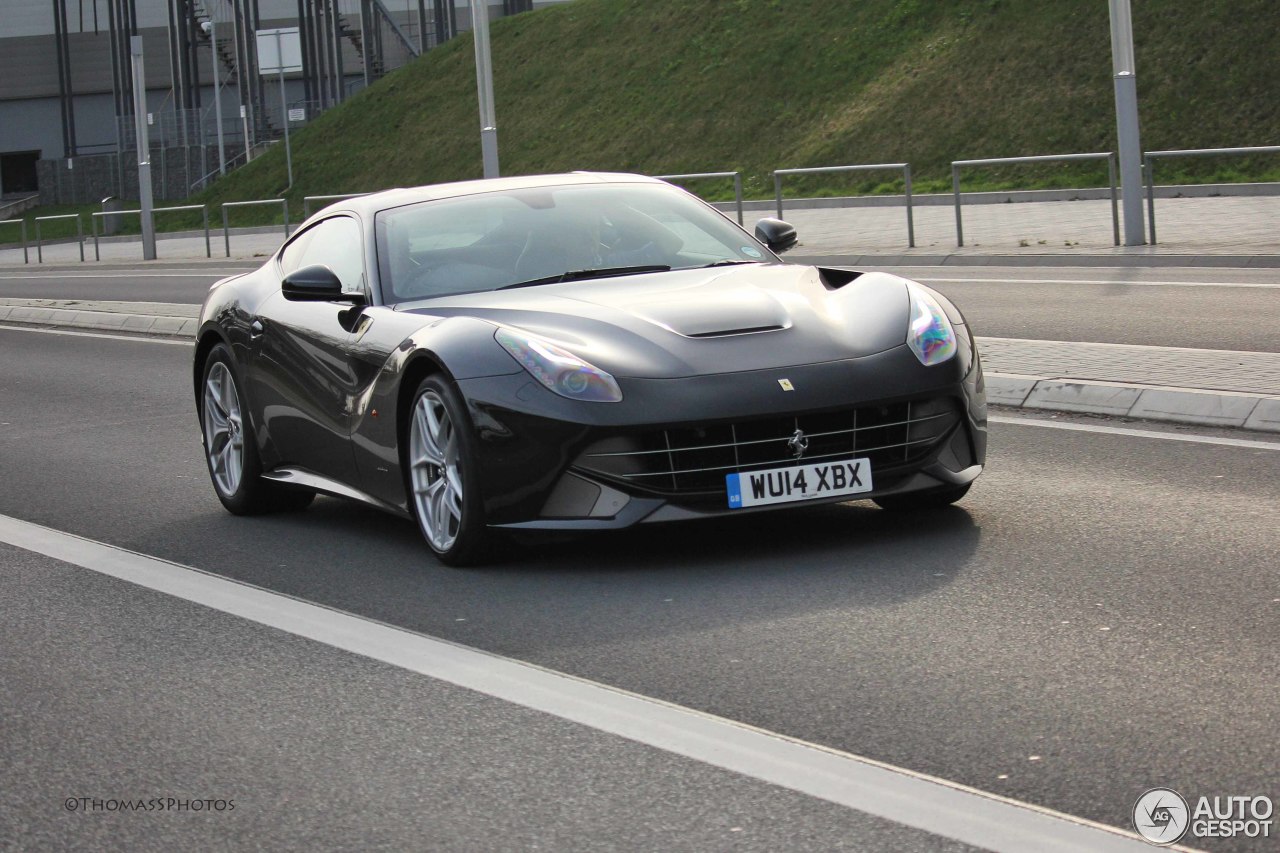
(931, 499)
(442, 480)
(230, 449)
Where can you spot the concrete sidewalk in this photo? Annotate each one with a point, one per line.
(1221, 388)
(1236, 231)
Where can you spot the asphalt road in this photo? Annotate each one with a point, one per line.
(287, 744)
(1177, 307)
(1100, 616)
(181, 283)
(1180, 307)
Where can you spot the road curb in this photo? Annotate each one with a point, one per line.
(157, 325)
(1042, 260)
(1142, 402)
(1022, 391)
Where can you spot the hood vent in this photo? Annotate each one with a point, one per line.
(725, 333)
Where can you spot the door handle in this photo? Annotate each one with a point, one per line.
(256, 329)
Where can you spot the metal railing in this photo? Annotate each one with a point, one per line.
(247, 155)
(905, 168)
(693, 176)
(1109, 156)
(25, 258)
(306, 201)
(203, 208)
(79, 233)
(1148, 168)
(226, 228)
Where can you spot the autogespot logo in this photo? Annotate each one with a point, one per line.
(1161, 816)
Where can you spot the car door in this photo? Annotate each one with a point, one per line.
(300, 375)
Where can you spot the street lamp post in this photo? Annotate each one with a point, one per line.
(144, 149)
(284, 109)
(1126, 87)
(484, 85)
(217, 93)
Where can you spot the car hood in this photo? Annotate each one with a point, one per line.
(702, 321)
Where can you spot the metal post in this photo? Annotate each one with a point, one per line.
(777, 191)
(911, 225)
(1115, 214)
(242, 75)
(1148, 166)
(484, 85)
(80, 236)
(955, 188)
(217, 94)
(208, 249)
(93, 226)
(226, 230)
(366, 36)
(1130, 147)
(366, 55)
(335, 47)
(144, 149)
(284, 116)
(737, 193)
(39, 244)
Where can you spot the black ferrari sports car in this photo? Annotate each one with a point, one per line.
(575, 352)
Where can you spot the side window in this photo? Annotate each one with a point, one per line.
(291, 257)
(337, 244)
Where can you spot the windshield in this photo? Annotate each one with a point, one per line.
(546, 234)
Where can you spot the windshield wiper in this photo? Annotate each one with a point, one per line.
(728, 263)
(581, 275)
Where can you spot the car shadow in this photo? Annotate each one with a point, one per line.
(611, 587)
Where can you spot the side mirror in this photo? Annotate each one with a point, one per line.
(776, 234)
(316, 283)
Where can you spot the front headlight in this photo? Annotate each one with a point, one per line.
(929, 333)
(558, 369)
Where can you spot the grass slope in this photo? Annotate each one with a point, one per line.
(662, 86)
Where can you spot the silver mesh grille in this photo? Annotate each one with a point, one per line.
(692, 460)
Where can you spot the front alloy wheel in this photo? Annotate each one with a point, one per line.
(223, 430)
(441, 481)
(230, 449)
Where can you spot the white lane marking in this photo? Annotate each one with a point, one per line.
(1259, 284)
(137, 338)
(933, 805)
(209, 274)
(1137, 433)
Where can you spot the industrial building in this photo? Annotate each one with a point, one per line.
(67, 118)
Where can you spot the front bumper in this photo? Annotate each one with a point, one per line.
(554, 464)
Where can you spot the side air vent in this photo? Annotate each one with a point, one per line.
(835, 279)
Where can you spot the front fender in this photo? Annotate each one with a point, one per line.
(462, 348)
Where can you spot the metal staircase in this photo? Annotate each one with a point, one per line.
(224, 48)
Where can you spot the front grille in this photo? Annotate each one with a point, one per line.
(694, 460)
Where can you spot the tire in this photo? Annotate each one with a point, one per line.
(230, 445)
(442, 474)
(915, 501)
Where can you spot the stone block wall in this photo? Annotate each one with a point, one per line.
(92, 178)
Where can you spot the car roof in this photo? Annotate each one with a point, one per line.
(369, 204)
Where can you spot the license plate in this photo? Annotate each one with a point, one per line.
(798, 483)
